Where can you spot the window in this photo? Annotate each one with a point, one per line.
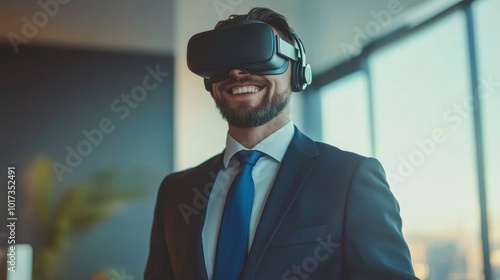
(344, 109)
(421, 118)
(488, 46)
(424, 139)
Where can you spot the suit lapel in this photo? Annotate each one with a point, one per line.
(295, 168)
(207, 177)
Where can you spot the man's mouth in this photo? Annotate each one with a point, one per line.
(244, 89)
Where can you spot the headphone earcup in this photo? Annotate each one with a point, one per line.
(301, 76)
(301, 71)
(306, 77)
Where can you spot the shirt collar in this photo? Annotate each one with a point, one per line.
(274, 145)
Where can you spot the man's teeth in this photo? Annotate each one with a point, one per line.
(238, 90)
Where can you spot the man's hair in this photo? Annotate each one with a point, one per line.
(276, 20)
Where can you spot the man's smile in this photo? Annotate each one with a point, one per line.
(243, 89)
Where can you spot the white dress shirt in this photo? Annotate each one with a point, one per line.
(273, 148)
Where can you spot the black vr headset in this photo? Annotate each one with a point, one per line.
(249, 45)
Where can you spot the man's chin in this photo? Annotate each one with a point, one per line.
(246, 124)
(251, 117)
(244, 101)
(244, 114)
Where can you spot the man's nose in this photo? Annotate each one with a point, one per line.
(237, 72)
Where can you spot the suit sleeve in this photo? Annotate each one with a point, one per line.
(374, 247)
(158, 265)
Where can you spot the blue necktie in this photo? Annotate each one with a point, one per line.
(235, 225)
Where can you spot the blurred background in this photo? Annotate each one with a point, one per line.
(97, 106)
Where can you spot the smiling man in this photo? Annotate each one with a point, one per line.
(274, 204)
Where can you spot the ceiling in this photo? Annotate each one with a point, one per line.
(325, 26)
(111, 24)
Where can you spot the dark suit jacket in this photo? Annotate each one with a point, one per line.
(329, 215)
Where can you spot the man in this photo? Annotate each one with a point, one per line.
(274, 204)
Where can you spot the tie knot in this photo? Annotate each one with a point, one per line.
(251, 157)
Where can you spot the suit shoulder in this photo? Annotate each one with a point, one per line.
(333, 156)
(329, 151)
(192, 173)
(349, 161)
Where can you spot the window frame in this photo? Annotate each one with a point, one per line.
(360, 63)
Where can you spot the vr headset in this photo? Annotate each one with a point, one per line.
(249, 45)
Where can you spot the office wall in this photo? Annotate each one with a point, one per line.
(90, 135)
(113, 24)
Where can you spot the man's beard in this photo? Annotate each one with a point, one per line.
(245, 116)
